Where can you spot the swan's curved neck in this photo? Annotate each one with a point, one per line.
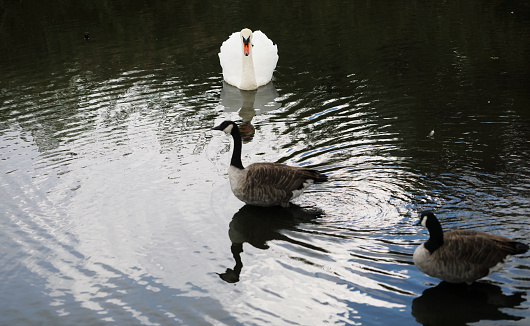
(248, 78)
(236, 154)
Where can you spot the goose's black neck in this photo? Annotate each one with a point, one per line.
(436, 235)
(236, 154)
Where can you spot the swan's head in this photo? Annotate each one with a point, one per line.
(246, 36)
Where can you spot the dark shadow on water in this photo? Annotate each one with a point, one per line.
(459, 304)
(258, 225)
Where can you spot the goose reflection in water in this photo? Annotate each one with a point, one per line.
(258, 225)
(460, 304)
(246, 103)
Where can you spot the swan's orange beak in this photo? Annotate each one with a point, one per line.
(246, 49)
(246, 46)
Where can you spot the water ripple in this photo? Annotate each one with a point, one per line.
(117, 208)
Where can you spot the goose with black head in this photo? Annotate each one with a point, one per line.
(265, 184)
(462, 256)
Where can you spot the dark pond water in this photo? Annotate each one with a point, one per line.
(114, 199)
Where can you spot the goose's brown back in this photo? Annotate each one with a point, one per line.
(270, 184)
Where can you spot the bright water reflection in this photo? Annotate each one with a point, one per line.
(117, 209)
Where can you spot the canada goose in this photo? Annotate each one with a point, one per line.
(460, 256)
(265, 184)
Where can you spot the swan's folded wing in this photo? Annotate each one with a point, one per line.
(265, 56)
(230, 58)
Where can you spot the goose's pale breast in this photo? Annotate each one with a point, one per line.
(421, 258)
(237, 179)
(256, 193)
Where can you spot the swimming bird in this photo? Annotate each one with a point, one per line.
(248, 59)
(265, 184)
(462, 256)
(431, 134)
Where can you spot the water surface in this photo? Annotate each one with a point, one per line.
(116, 204)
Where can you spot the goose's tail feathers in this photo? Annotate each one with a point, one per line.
(319, 176)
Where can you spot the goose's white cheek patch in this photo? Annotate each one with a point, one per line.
(228, 129)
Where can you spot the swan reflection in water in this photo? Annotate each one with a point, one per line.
(460, 304)
(258, 225)
(247, 103)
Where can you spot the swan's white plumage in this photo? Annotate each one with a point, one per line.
(264, 56)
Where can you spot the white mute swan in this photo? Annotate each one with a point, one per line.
(248, 59)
